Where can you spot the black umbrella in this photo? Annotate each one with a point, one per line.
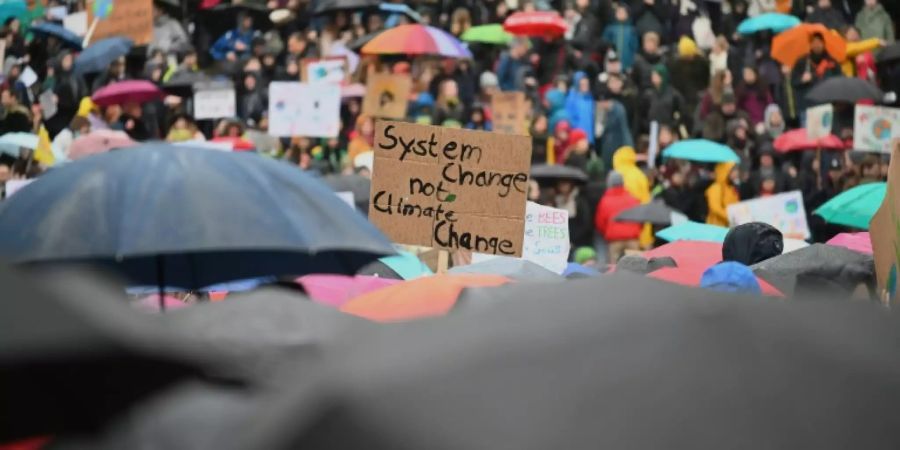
(514, 268)
(254, 8)
(844, 89)
(608, 362)
(818, 269)
(357, 44)
(181, 83)
(548, 172)
(330, 6)
(888, 54)
(358, 185)
(656, 213)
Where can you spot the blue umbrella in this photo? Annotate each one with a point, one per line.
(13, 143)
(774, 22)
(701, 150)
(693, 231)
(13, 8)
(65, 36)
(184, 217)
(101, 54)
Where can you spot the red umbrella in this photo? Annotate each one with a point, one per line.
(689, 253)
(535, 23)
(691, 276)
(797, 140)
(237, 144)
(138, 91)
(99, 141)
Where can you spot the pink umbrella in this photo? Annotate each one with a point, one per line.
(150, 303)
(138, 91)
(858, 242)
(99, 141)
(335, 290)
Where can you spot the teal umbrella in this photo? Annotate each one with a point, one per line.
(774, 22)
(487, 34)
(854, 207)
(693, 231)
(13, 143)
(13, 8)
(701, 150)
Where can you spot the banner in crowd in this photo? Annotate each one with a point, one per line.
(875, 127)
(884, 230)
(510, 113)
(303, 109)
(819, 120)
(783, 211)
(450, 188)
(130, 18)
(332, 69)
(546, 241)
(387, 96)
(214, 100)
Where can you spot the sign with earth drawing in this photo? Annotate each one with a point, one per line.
(875, 127)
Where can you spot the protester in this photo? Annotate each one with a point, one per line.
(720, 194)
(619, 236)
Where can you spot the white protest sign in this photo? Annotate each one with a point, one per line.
(874, 127)
(328, 70)
(13, 186)
(546, 240)
(783, 211)
(819, 120)
(77, 22)
(214, 100)
(221, 146)
(303, 109)
(28, 77)
(653, 150)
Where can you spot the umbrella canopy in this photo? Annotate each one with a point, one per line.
(793, 44)
(237, 144)
(13, 143)
(799, 140)
(689, 253)
(656, 213)
(858, 242)
(400, 8)
(99, 55)
(416, 39)
(416, 299)
(182, 83)
(13, 8)
(769, 21)
(844, 89)
(138, 91)
(330, 6)
(693, 231)
(487, 34)
(99, 141)
(701, 150)
(358, 185)
(888, 54)
(854, 207)
(692, 276)
(357, 44)
(402, 266)
(175, 216)
(50, 29)
(335, 290)
(818, 269)
(514, 268)
(535, 23)
(554, 172)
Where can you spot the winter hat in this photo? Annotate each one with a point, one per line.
(614, 179)
(584, 254)
(730, 276)
(752, 243)
(728, 97)
(488, 79)
(687, 47)
(577, 134)
(663, 72)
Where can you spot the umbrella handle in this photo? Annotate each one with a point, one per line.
(160, 279)
(90, 32)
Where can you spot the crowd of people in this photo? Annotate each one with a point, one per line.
(622, 74)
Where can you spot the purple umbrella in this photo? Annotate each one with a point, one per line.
(138, 91)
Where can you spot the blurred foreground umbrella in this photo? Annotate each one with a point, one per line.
(99, 55)
(799, 140)
(402, 266)
(844, 89)
(514, 268)
(535, 23)
(888, 54)
(793, 44)
(656, 213)
(854, 207)
(555, 172)
(693, 231)
(330, 6)
(182, 83)
(487, 34)
(335, 290)
(689, 253)
(13, 143)
(858, 242)
(416, 40)
(50, 29)
(99, 141)
(819, 270)
(775, 22)
(612, 361)
(701, 150)
(693, 275)
(237, 144)
(358, 185)
(138, 91)
(184, 217)
(357, 44)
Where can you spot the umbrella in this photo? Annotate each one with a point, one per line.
(554, 172)
(844, 89)
(859, 242)
(487, 34)
(888, 54)
(799, 140)
(98, 141)
(402, 266)
(513, 268)
(656, 213)
(237, 144)
(330, 6)
(175, 216)
(416, 299)
(854, 207)
(13, 8)
(182, 82)
(358, 185)
(693, 231)
(689, 253)
(614, 362)
(791, 45)
(416, 39)
(818, 269)
(49, 29)
(335, 290)
(692, 275)
(399, 8)
(701, 150)
(357, 44)
(138, 91)
(575, 270)
(99, 55)
(13, 143)
(535, 23)
(770, 21)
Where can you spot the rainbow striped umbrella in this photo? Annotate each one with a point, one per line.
(416, 39)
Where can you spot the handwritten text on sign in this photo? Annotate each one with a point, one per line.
(450, 188)
(546, 240)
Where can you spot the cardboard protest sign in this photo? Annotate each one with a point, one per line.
(546, 241)
(129, 18)
(884, 230)
(875, 127)
(214, 100)
(783, 211)
(509, 112)
(819, 120)
(333, 69)
(387, 96)
(303, 109)
(450, 188)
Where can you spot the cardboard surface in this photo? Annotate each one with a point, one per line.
(546, 239)
(304, 109)
(214, 100)
(387, 96)
(510, 115)
(783, 211)
(875, 127)
(450, 188)
(819, 120)
(884, 230)
(333, 69)
(130, 18)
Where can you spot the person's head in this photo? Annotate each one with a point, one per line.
(621, 12)
(117, 67)
(817, 44)
(246, 22)
(189, 58)
(564, 187)
(80, 125)
(687, 48)
(676, 178)
(767, 185)
(659, 77)
(296, 43)
(374, 23)
(66, 61)
(615, 83)
(518, 47)
(824, 4)
(650, 42)
(721, 44)
(729, 103)
(5, 173)
(584, 84)
(562, 130)
(540, 124)
(752, 243)
(582, 5)
(250, 82)
(158, 11)
(133, 109)
(13, 25)
(750, 76)
(365, 126)
(666, 136)
(579, 141)
(586, 256)
(612, 62)
(489, 83)
(449, 91)
(871, 3)
(851, 34)
(7, 99)
(614, 179)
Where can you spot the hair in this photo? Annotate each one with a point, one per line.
(717, 86)
(78, 123)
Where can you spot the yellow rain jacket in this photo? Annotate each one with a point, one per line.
(848, 66)
(636, 183)
(719, 195)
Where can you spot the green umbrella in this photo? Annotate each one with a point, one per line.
(487, 34)
(693, 231)
(855, 207)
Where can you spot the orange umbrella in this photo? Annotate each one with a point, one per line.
(419, 298)
(791, 45)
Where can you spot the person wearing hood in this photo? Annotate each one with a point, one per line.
(478, 119)
(732, 20)
(661, 102)
(650, 55)
(753, 96)
(690, 72)
(635, 182)
(562, 139)
(168, 34)
(569, 197)
(874, 22)
(556, 107)
(773, 124)
(825, 14)
(720, 194)
(767, 179)
(252, 101)
(613, 128)
(579, 150)
(69, 88)
(732, 277)
(236, 43)
(651, 15)
(622, 36)
(580, 105)
(715, 125)
(752, 243)
(619, 236)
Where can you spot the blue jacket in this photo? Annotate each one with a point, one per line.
(509, 72)
(616, 133)
(623, 37)
(226, 43)
(580, 107)
(556, 110)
